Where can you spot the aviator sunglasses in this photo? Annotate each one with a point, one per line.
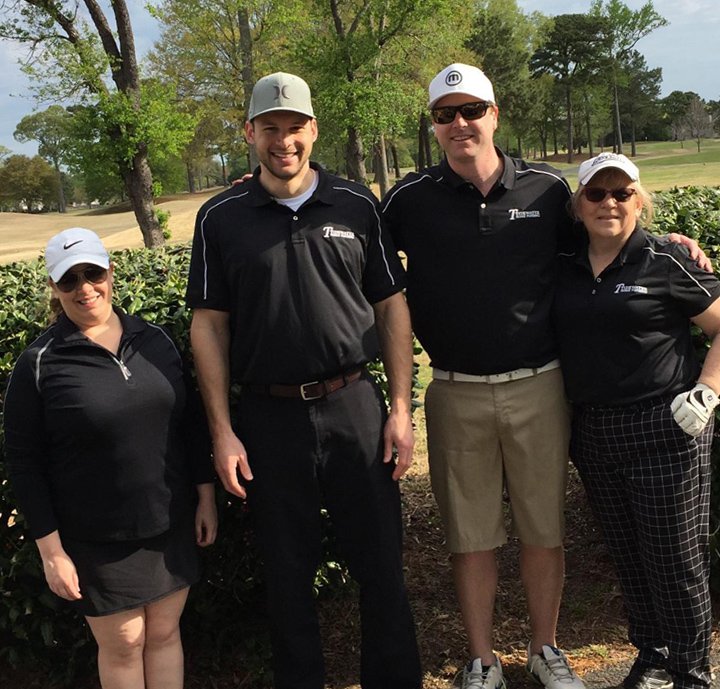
(469, 111)
(93, 274)
(598, 194)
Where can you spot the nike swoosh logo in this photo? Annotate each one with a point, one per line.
(67, 246)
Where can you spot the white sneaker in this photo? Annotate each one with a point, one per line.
(552, 670)
(475, 677)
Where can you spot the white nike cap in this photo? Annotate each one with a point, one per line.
(589, 168)
(72, 247)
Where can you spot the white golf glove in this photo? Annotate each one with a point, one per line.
(692, 409)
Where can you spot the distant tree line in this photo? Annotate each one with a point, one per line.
(566, 85)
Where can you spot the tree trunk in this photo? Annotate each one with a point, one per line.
(62, 205)
(224, 170)
(396, 162)
(138, 184)
(424, 147)
(633, 142)
(248, 72)
(618, 130)
(568, 105)
(190, 178)
(355, 157)
(381, 167)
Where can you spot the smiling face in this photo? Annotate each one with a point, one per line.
(283, 141)
(464, 140)
(609, 219)
(88, 304)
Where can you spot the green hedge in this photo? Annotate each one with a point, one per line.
(36, 631)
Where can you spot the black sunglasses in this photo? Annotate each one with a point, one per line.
(93, 274)
(469, 111)
(598, 194)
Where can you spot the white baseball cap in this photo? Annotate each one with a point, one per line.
(460, 78)
(280, 91)
(70, 248)
(589, 168)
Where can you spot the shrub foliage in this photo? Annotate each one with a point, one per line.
(35, 628)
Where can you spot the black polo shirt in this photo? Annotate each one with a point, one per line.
(481, 270)
(298, 285)
(625, 335)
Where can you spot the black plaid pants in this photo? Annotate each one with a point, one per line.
(648, 484)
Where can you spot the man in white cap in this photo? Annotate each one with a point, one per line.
(295, 287)
(480, 232)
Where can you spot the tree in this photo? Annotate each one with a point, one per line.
(27, 183)
(639, 95)
(673, 108)
(88, 61)
(214, 50)
(569, 54)
(624, 28)
(698, 121)
(51, 128)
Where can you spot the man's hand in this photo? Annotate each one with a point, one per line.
(399, 435)
(696, 253)
(692, 410)
(230, 457)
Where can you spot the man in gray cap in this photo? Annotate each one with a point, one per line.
(480, 232)
(295, 287)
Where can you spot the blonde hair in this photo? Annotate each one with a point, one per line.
(613, 178)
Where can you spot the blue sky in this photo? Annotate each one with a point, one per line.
(687, 50)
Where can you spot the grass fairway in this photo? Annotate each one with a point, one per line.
(663, 165)
(667, 164)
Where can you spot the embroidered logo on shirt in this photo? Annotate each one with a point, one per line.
(621, 287)
(517, 214)
(329, 231)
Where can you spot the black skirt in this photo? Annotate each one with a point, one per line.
(122, 575)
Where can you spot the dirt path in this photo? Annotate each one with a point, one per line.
(23, 235)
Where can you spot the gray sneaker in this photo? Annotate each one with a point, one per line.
(650, 678)
(551, 669)
(475, 677)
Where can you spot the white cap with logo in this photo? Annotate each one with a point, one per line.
(589, 168)
(70, 248)
(460, 78)
(280, 91)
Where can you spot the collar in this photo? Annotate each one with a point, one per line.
(259, 196)
(631, 252)
(67, 331)
(506, 179)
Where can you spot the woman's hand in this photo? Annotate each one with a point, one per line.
(206, 515)
(60, 572)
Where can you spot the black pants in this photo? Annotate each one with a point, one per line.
(328, 452)
(648, 484)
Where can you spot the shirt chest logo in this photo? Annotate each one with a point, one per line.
(517, 214)
(329, 232)
(622, 288)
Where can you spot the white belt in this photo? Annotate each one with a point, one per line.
(517, 374)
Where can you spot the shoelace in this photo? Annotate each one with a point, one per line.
(559, 667)
(477, 680)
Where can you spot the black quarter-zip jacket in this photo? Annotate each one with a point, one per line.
(104, 447)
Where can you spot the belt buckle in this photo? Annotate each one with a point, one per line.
(306, 395)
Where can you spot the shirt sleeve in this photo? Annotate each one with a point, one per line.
(384, 274)
(207, 287)
(693, 289)
(26, 449)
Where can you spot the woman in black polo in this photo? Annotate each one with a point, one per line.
(108, 468)
(643, 414)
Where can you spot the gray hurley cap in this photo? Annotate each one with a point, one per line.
(280, 91)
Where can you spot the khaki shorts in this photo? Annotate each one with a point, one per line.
(484, 436)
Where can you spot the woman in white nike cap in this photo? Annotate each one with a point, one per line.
(111, 468)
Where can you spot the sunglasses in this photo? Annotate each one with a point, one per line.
(469, 111)
(598, 194)
(70, 281)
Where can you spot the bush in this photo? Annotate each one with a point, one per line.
(695, 212)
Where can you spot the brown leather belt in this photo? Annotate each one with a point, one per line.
(313, 390)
